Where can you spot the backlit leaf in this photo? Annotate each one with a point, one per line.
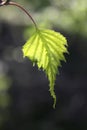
(46, 48)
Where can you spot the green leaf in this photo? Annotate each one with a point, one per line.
(46, 48)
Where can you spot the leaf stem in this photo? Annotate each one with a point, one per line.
(8, 2)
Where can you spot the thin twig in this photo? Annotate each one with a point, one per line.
(8, 2)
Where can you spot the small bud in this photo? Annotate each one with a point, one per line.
(4, 2)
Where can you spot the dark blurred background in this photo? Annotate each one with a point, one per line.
(25, 102)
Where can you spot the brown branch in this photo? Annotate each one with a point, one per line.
(8, 2)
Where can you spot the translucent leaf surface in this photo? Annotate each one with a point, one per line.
(46, 48)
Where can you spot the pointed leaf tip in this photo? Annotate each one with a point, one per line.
(46, 48)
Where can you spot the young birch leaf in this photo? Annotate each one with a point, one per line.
(46, 48)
